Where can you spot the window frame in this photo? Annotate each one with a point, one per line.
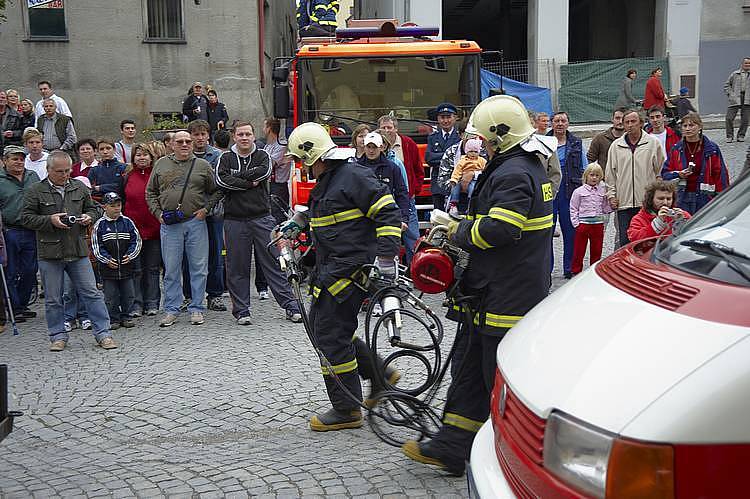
(43, 38)
(148, 39)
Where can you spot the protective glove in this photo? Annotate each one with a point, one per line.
(439, 217)
(292, 228)
(386, 267)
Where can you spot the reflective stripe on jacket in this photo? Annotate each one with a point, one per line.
(507, 233)
(353, 218)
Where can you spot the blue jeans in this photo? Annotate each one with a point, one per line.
(412, 231)
(82, 276)
(456, 191)
(74, 308)
(22, 266)
(215, 281)
(188, 238)
(561, 209)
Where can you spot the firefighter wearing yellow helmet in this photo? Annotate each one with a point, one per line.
(508, 234)
(355, 221)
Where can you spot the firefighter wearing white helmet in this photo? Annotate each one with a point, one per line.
(354, 221)
(508, 233)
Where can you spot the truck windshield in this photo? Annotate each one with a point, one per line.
(340, 93)
(716, 242)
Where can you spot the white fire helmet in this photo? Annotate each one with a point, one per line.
(502, 121)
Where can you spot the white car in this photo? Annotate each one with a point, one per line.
(632, 380)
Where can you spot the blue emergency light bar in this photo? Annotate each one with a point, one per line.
(388, 30)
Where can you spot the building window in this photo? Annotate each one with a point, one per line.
(164, 20)
(46, 19)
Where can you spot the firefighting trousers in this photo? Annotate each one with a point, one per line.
(468, 403)
(334, 325)
(369, 368)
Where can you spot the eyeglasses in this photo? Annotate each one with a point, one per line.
(183, 141)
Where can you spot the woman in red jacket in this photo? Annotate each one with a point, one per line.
(147, 270)
(654, 95)
(658, 216)
(696, 164)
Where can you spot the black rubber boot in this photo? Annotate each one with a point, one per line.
(392, 376)
(426, 453)
(336, 420)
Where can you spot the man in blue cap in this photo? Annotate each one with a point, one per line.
(437, 142)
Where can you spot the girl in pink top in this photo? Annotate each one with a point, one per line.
(588, 205)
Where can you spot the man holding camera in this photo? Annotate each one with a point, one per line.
(180, 193)
(60, 209)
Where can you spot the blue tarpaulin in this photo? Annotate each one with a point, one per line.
(536, 99)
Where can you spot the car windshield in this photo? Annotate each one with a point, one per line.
(716, 242)
(343, 92)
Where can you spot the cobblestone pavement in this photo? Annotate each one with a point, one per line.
(213, 410)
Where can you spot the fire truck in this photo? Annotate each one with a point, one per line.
(369, 69)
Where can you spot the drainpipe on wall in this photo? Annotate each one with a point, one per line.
(261, 43)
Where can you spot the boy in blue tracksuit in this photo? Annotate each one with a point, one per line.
(107, 176)
(116, 243)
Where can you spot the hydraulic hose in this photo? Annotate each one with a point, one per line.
(408, 410)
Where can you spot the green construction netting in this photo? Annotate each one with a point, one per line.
(588, 90)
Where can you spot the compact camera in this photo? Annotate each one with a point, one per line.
(69, 220)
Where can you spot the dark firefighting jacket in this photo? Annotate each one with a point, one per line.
(354, 219)
(508, 234)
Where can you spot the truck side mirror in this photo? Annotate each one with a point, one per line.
(280, 74)
(281, 101)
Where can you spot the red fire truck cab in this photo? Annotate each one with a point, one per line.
(373, 68)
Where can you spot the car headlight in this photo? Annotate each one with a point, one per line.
(577, 453)
(602, 464)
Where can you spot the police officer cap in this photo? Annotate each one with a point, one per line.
(13, 150)
(446, 108)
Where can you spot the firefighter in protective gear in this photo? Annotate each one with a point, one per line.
(507, 232)
(317, 17)
(354, 221)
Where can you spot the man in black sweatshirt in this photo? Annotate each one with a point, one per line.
(243, 173)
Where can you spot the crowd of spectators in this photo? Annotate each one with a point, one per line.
(186, 216)
(130, 220)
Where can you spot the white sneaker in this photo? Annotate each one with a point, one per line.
(85, 324)
(196, 318)
(245, 320)
(263, 295)
(68, 326)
